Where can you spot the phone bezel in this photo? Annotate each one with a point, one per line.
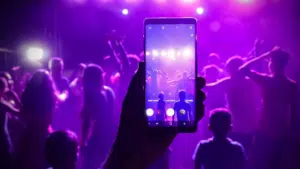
(182, 20)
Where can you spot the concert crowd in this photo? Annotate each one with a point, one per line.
(96, 117)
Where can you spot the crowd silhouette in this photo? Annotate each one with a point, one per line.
(75, 123)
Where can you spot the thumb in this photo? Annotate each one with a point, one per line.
(200, 97)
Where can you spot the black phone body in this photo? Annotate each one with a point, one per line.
(170, 46)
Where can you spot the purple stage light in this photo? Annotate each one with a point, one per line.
(188, 1)
(171, 53)
(200, 10)
(155, 53)
(35, 54)
(245, 1)
(125, 11)
(160, 1)
(187, 53)
(163, 53)
(79, 1)
(104, 1)
(131, 1)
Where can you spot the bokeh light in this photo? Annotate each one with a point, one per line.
(125, 11)
(171, 54)
(188, 1)
(245, 1)
(170, 112)
(149, 112)
(160, 1)
(80, 2)
(200, 10)
(35, 54)
(187, 53)
(163, 53)
(155, 53)
(132, 1)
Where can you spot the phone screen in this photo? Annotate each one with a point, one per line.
(170, 57)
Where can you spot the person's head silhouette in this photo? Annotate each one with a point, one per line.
(278, 62)
(214, 58)
(80, 69)
(182, 95)
(185, 74)
(161, 96)
(211, 73)
(220, 122)
(56, 66)
(39, 98)
(233, 64)
(93, 77)
(62, 150)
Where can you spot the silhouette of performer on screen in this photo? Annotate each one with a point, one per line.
(161, 108)
(182, 108)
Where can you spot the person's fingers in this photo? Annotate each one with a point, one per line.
(200, 97)
(159, 140)
(275, 48)
(200, 83)
(133, 125)
(140, 97)
(128, 110)
(133, 87)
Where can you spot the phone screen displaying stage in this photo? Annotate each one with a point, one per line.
(170, 57)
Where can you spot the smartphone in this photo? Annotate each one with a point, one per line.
(170, 46)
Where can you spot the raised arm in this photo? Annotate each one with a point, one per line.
(113, 53)
(222, 83)
(253, 61)
(86, 124)
(15, 97)
(250, 63)
(65, 93)
(7, 107)
(123, 56)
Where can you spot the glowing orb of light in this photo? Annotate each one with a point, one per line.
(187, 53)
(125, 11)
(188, 1)
(35, 54)
(62, 96)
(200, 10)
(245, 1)
(149, 112)
(170, 112)
(163, 53)
(155, 53)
